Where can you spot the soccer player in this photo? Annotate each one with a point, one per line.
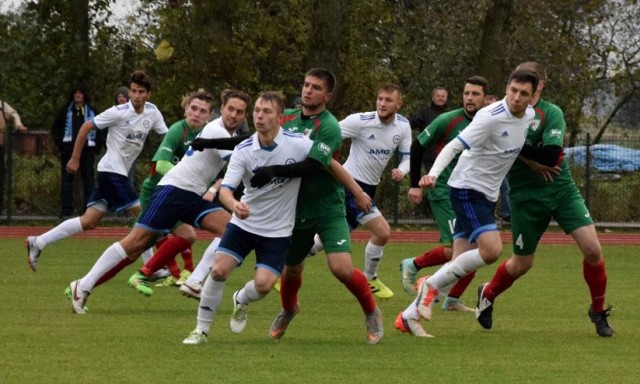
(233, 115)
(129, 124)
(541, 189)
(262, 220)
(441, 131)
(375, 136)
(177, 197)
(320, 206)
(489, 146)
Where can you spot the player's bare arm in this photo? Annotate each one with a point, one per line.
(74, 161)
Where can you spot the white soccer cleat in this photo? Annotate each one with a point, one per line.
(33, 252)
(239, 317)
(196, 337)
(78, 298)
(191, 290)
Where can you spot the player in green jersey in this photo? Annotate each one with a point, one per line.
(321, 206)
(542, 189)
(437, 134)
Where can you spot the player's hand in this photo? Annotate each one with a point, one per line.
(261, 176)
(363, 202)
(427, 181)
(73, 165)
(415, 195)
(209, 196)
(198, 144)
(545, 171)
(241, 210)
(397, 174)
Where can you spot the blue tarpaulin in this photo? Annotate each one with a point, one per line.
(606, 157)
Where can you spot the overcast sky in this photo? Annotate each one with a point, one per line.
(120, 8)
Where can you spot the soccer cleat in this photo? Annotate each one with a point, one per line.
(170, 281)
(196, 337)
(33, 252)
(184, 276)
(276, 286)
(141, 284)
(408, 272)
(410, 326)
(375, 330)
(455, 304)
(191, 290)
(78, 298)
(484, 309)
(67, 293)
(378, 289)
(239, 316)
(281, 322)
(600, 320)
(425, 299)
(161, 273)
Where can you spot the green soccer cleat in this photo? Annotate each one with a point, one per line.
(170, 281)
(141, 284)
(184, 276)
(379, 290)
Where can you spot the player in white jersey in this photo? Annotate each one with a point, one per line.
(129, 124)
(262, 220)
(375, 136)
(178, 197)
(489, 146)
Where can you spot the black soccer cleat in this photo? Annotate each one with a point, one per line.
(603, 328)
(484, 309)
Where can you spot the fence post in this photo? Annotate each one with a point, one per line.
(587, 172)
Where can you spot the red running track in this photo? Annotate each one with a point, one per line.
(396, 236)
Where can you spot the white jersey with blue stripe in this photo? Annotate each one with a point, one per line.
(128, 131)
(373, 144)
(492, 143)
(272, 207)
(197, 170)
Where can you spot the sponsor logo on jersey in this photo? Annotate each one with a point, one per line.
(378, 152)
(341, 242)
(535, 124)
(135, 136)
(555, 133)
(324, 148)
(146, 124)
(396, 139)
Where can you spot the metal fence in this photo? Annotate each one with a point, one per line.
(32, 183)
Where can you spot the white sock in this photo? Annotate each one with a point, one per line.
(210, 299)
(411, 312)
(248, 294)
(111, 257)
(63, 230)
(372, 256)
(146, 255)
(317, 245)
(456, 269)
(203, 268)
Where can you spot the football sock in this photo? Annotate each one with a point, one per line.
(210, 299)
(204, 266)
(166, 253)
(65, 229)
(596, 278)
(372, 256)
(173, 268)
(359, 287)
(111, 257)
(248, 293)
(435, 256)
(411, 312)
(462, 265)
(114, 271)
(289, 292)
(458, 289)
(187, 257)
(500, 282)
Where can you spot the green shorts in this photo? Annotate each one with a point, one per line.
(529, 219)
(333, 231)
(442, 212)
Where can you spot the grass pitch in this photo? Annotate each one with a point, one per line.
(541, 330)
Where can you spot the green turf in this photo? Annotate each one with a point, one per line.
(541, 330)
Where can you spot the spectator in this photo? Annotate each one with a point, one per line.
(7, 113)
(64, 131)
(297, 102)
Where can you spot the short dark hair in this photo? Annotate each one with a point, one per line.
(535, 67)
(275, 97)
(524, 75)
(140, 78)
(479, 80)
(202, 95)
(390, 87)
(325, 75)
(227, 94)
(433, 91)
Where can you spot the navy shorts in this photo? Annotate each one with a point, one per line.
(354, 215)
(474, 214)
(271, 252)
(114, 190)
(169, 204)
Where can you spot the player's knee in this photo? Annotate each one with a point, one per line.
(592, 254)
(263, 287)
(219, 274)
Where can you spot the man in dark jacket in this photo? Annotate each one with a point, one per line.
(424, 117)
(64, 131)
